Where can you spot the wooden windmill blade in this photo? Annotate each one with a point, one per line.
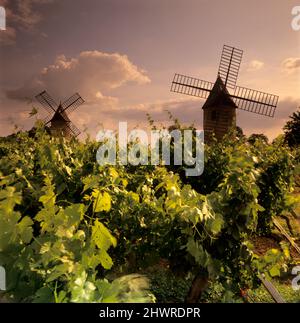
(72, 130)
(47, 119)
(255, 101)
(72, 103)
(191, 86)
(47, 102)
(230, 65)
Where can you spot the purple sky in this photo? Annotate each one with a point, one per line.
(121, 55)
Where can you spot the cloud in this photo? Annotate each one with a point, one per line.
(95, 118)
(25, 13)
(90, 73)
(21, 16)
(291, 64)
(255, 65)
(8, 36)
(187, 110)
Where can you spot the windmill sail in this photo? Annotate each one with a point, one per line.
(191, 86)
(72, 103)
(46, 101)
(230, 65)
(47, 120)
(255, 101)
(73, 130)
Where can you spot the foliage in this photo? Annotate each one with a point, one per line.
(168, 287)
(292, 130)
(239, 132)
(260, 295)
(276, 181)
(50, 241)
(65, 220)
(257, 136)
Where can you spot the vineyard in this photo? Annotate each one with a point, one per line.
(74, 231)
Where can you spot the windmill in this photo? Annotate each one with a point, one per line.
(57, 118)
(223, 96)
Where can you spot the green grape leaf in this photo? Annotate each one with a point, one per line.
(275, 271)
(101, 236)
(102, 202)
(105, 259)
(25, 229)
(74, 213)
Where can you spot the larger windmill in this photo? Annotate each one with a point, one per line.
(223, 96)
(58, 120)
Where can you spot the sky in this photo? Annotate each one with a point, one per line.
(121, 56)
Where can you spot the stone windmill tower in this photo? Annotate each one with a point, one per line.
(58, 120)
(223, 96)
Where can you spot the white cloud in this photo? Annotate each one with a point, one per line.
(291, 64)
(90, 73)
(255, 65)
(187, 110)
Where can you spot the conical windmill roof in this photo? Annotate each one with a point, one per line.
(219, 96)
(60, 115)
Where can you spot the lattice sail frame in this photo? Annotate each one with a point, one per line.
(72, 103)
(255, 101)
(230, 65)
(191, 86)
(69, 105)
(47, 102)
(74, 130)
(246, 99)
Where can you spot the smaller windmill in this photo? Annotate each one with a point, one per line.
(58, 120)
(223, 96)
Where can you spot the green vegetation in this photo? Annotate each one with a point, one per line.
(260, 295)
(292, 130)
(72, 231)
